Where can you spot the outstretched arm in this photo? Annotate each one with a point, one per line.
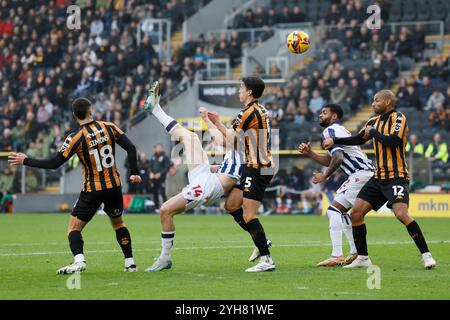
(216, 134)
(351, 141)
(51, 163)
(391, 140)
(336, 160)
(130, 148)
(305, 148)
(229, 134)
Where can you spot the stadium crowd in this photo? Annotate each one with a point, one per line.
(43, 65)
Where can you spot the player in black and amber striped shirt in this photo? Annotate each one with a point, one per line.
(389, 135)
(390, 183)
(254, 122)
(253, 126)
(94, 143)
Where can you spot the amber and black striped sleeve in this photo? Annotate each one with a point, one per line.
(391, 140)
(359, 139)
(51, 163)
(130, 148)
(351, 141)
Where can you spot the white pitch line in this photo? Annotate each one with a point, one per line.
(323, 244)
(36, 244)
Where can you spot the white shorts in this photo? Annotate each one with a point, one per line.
(348, 191)
(204, 187)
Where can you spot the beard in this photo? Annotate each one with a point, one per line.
(324, 123)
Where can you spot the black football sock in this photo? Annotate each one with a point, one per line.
(76, 242)
(415, 233)
(124, 239)
(258, 235)
(239, 218)
(359, 234)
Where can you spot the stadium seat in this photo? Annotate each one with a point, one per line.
(423, 12)
(438, 12)
(406, 63)
(447, 24)
(312, 13)
(409, 12)
(323, 9)
(395, 14)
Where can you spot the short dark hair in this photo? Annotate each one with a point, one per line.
(256, 84)
(81, 107)
(335, 108)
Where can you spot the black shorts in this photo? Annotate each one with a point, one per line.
(377, 192)
(89, 202)
(253, 183)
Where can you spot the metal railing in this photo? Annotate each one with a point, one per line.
(160, 32)
(218, 68)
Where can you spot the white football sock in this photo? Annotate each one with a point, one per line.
(305, 204)
(129, 262)
(347, 228)
(167, 121)
(79, 258)
(335, 231)
(279, 202)
(289, 203)
(267, 258)
(167, 244)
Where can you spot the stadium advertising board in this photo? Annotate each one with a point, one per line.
(225, 93)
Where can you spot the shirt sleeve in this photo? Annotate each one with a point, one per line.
(331, 133)
(118, 133)
(400, 125)
(71, 145)
(243, 120)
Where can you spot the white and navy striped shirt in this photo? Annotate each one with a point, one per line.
(232, 165)
(354, 158)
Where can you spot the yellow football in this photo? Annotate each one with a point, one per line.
(298, 42)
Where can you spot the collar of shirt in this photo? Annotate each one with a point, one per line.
(251, 103)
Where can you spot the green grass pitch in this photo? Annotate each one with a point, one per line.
(210, 256)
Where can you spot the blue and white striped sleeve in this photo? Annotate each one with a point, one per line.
(330, 133)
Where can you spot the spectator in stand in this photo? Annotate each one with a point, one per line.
(418, 41)
(354, 96)
(275, 111)
(437, 152)
(426, 69)
(378, 75)
(298, 15)
(375, 46)
(447, 99)
(424, 90)
(285, 15)
(438, 118)
(333, 14)
(391, 45)
(436, 98)
(260, 19)
(339, 93)
(391, 68)
(417, 147)
(367, 85)
(404, 48)
(272, 17)
(6, 141)
(317, 102)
